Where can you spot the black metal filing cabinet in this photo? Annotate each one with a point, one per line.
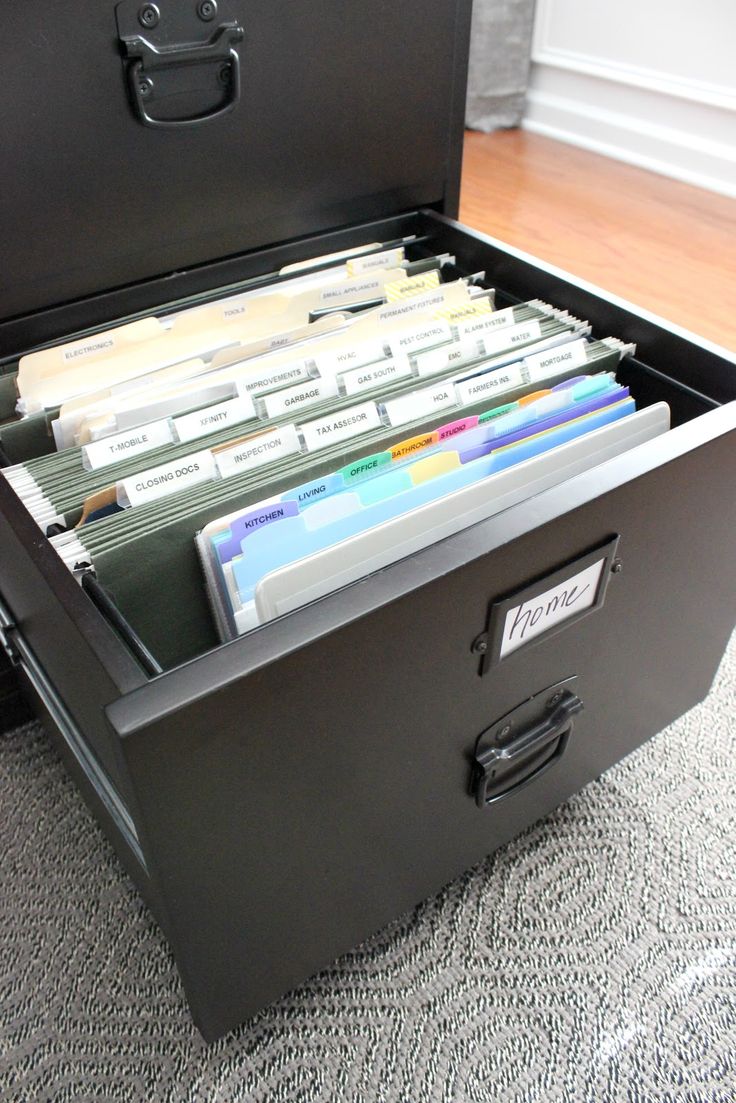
(279, 798)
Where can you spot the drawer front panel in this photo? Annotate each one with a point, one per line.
(295, 810)
(296, 790)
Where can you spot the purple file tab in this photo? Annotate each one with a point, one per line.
(252, 522)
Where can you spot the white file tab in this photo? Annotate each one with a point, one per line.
(419, 404)
(342, 425)
(93, 346)
(295, 398)
(211, 418)
(257, 450)
(447, 295)
(121, 446)
(375, 375)
(420, 337)
(492, 383)
(270, 377)
(355, 356)
(447, 357)
(167, 478)
(390, 258)
(555, 360)
(360, 289)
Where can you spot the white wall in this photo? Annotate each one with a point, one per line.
(652, 82)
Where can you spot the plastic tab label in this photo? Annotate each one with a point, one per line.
(340, 426)
(201, 422)
(422, 337)
(370, 377)
(121, 446)
(541, 364)
(419, 404)
(513, 335)
(493, 382)
(414, 444)
(342, 360)
(455, 427)
(271, 378)
(292, 398)
(168, 478)
(487, 323)
(440, 360)
(497, 411)
(257, 450)
(361, 469)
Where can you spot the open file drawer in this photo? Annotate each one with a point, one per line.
(284, 795)
(279, 798)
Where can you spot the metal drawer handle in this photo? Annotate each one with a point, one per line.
(142, 86)
(505, 767)
(167, 56)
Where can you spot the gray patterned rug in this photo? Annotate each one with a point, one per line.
(593, 959)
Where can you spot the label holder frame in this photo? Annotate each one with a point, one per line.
(489, 643)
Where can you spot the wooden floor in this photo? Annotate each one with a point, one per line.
(664, 245)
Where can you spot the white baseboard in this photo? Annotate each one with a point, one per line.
(641, 126)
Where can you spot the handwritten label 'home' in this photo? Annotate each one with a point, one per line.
(537, 615)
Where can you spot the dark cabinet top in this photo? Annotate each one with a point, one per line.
(344, 111)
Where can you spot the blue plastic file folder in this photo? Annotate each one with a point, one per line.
(568, 400)
(296, 535)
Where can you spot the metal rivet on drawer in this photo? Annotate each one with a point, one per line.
(149, 16)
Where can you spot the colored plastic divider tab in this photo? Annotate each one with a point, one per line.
(332, 509)
(387, 485)
(250, 523)
(533, 397)
(364, 468)
(456, 427)
(516, 433)
(591, 384)
(497, 411)
(461, 442)
(433, 466)
(265, 555)
(414, 444)
(314, 490)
